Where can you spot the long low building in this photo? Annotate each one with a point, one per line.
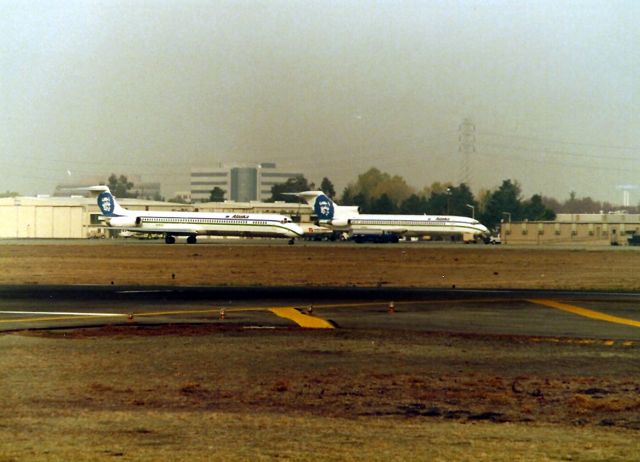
(587, 228)
(78, 217)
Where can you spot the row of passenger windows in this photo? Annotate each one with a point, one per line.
(396, 222)
(207, 221)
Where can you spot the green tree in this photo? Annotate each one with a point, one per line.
(120, 186)
(362, 202)
(9, 194)
(374, 183)
(461, 198)
(453, 200)
(535, 210)
(414, 205)
(347, 196)
(439, 203)
(383, 204)
(503, 202)
(217, 194)
(293, 185)
(327, 187)
(436, 187)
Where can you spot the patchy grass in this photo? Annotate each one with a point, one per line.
(84, 262)
(220, 436)
(96, 394)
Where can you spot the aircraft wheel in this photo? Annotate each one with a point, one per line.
(191, 240)
(292, 241)
(169, 239)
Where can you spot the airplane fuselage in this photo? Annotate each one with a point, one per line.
(409, 225)
(215, 224)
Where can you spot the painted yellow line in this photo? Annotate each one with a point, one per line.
(216, 311)
(303, 320)
(82, 316)
(585, 312)
(56, 318)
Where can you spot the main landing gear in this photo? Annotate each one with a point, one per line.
(292, 241)
(169, 239)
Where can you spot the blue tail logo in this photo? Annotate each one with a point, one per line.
(106, 204)
(323, 208)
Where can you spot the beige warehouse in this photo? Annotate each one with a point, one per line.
(33, 217)
(587, 228)
(78, 217)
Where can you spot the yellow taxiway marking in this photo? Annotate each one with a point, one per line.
(303, 320)
(585, 312)
(56, 316)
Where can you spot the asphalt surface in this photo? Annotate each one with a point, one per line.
(552, 314)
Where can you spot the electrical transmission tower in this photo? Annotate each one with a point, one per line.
(466, 147)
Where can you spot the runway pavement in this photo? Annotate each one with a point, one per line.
(557, 316)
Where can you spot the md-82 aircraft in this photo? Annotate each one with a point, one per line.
(193, 224)
(387, 228)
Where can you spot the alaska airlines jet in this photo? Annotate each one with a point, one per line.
(193, 224)
(387, 227)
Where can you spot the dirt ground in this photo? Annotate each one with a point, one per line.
(226, 264)
(187, 392)
(206, 393)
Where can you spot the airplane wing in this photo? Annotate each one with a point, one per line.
(174, 232)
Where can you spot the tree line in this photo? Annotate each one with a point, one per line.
(375, 191)
(379, 192)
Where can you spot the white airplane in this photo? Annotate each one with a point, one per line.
(193, 224)
(387, 228)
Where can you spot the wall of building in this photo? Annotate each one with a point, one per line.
(602, 231)
(60, 218)
(241, 182)
(42, 221)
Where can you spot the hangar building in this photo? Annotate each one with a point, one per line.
(78, 217)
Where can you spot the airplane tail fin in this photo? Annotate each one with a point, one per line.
(106, 201)
(325, 209)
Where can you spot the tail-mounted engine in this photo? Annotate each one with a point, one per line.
(124, 222)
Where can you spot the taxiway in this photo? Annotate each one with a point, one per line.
(555, 314)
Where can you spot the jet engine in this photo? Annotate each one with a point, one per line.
(124, 221)
(340, 223)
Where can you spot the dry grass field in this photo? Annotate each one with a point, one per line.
(181, 392)
(225, 264)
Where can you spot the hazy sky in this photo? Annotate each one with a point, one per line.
(328, 88)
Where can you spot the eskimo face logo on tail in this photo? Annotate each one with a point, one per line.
(106, 204)
(323, 208)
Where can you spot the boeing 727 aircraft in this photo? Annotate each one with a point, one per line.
(193, 224)
(387, 228)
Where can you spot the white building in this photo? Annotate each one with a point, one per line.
(78, 217)
(40, 217)
(240, 182)
(62, 217)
